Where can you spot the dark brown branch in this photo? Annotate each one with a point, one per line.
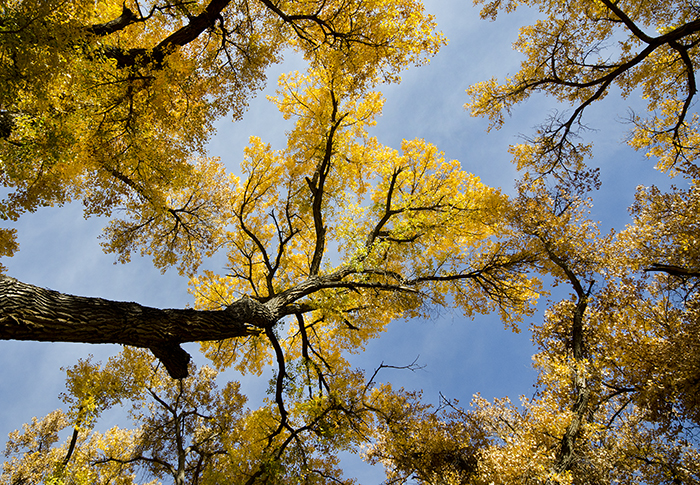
(31, 313)
(673, 36)
(672, 270)
(28, 312)
(135, 459)
(556, 136)
(629, 23)
(282, 241)
(126, 18)
(565, 455)
(388, 212)
(7, 124)
(194, 28)
(305, 346)
(179, 38)
(692, 86)
(317, 186)
(279, 384)
(71, 447)
(295, 21)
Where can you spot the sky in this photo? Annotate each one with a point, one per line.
(59, 249)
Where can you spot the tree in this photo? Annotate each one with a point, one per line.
(618, 373)
(618, 368)
(328, 240)
(108, 102)
(181, 426)
(410, 231)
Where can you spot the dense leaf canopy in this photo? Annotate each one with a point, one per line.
(333, 237)
(108, 102)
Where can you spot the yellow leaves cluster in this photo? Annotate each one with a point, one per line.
(416, 443)
(115, 115)
(386, 219)
(79, 125)
(180, 225)
(36, 461)
(384, 35)
(181, 426)
(664, 229)
(647, 338)
(386, 234)
(667, 140)
(525, 442)
(637, 369)
(8, 244)
(491, 442)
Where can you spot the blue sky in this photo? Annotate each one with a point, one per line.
(60, 250)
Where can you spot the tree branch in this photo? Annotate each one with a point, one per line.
(317, 186)
(126, 18)
(671, 269)
(179, 38)
(28, 312)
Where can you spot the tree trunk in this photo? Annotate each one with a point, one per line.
(28, 312)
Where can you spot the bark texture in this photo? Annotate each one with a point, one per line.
(28, 312)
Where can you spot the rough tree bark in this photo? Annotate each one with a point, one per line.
(28, 312)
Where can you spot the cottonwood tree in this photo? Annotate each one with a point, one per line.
(328, 241)
(617, 361)
(618, 372)
(331, 239)
(108, 103)
(181, 426)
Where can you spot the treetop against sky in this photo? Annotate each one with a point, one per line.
(337, 231)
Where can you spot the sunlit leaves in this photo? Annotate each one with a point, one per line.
(179, 226)
(180, 426)
(374, 39)
(111, 103)
(390, 234)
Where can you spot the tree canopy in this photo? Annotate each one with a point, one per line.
(108, 102)
(333, 237)
(617, 361)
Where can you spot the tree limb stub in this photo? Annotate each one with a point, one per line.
(28, 312)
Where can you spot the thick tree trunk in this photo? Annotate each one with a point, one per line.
(28, 312)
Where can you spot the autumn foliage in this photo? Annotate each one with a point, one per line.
(331, 238)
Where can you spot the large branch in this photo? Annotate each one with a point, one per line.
(126, 18)
(195, 27)
(181, 37)
(317, 186)
(672, 270)
(28, 312)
